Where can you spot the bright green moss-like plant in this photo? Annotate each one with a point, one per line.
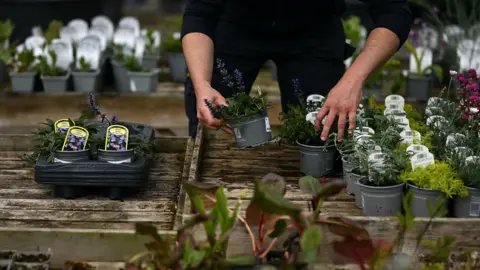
(439, 176)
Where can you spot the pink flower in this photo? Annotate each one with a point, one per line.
(461, 78)
(472, 87)
(474, 99)
(435, 10)
(472, 73)
(465, 116)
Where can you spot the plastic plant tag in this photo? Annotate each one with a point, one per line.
(472, 160)
(364, 142)
(417, 148)
(452, 33)
(434, 118)
(35, 42)
(267, 125)
(131, 22)
(63, 52)
(429, 111)
(362, 131)
(81, 28)
(462, 152)
(315, 98)
(455, 139)
(428, 37)
(68, 33)
(62, 125)
(76, 139)
(402, 122)
(395, 99)
(311, 116)
(125, 36)
(90, 49)
(435, 102)
(37, 31)
(157, 37)
(116, 138)
(376, 160)
(100, 35)
(139, 49)
(400, 112)
(426, 61)
(410, 136)
(104, 21)
(422, 159)
(176, 35)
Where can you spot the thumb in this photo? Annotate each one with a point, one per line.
(220, 100)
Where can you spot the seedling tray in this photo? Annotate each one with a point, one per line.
(66, 177)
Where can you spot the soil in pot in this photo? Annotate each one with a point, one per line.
(468, 207)
(418, 88)
(251, 131)
(420, 198)
(144, 81)
(120, 76)
(150, 61)
(22, 82)
(72, 156)
(86, 81)
(116, 157)
(55, 84)
(347, 168)
(380, 201)
(178, 66)
(317, 161)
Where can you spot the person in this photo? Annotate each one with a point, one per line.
(305, 39)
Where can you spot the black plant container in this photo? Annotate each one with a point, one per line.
(31, 261)
(72, 156)
(127, 156)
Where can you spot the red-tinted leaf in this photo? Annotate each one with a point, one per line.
(345, 227)
(358, 250)
(253, 214)
(331, 189)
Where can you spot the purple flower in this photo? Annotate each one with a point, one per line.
(472, 87)
(435, 9)
(234, 81)
(461, 78)
(114, 119)
(472, 73)
(465, 116)
(297, 90)
(94, 108)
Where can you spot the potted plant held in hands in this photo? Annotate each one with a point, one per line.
(419, 83)
(85, 78)
(22, 71)
(246, 115)
(54, 78)
(176, 60)
(141, 79)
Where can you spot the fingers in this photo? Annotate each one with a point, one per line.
(352, 118)
(206, 118)
(342, 119)
(227, 129)
(220, 100)
(321, 114)
(328, 124)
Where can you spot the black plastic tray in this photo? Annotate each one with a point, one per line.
(93, 173)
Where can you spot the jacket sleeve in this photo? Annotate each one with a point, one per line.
(394, 15)
(201, 16)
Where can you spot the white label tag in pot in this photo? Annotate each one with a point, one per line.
(410, 136)
(422, 160)
(69, 53)
(311, 116)
(364, 142)
(104, 21)
(35, 42)
(462, 152)
(63, 54)
(428, 37)
(156, 37)
(452, 33)
(426, 61)
(131, 22)
(124, 36)
(316, 99)
(100, 35)
(417, 148)
(400, 112)
(362, 131)
(455, 139)
(133, 86)
(472, 160)
(68, 33)
(79, 24)
(90, 49)
(402, 122)
(177, 35)
(139, 49)
(435, 102)
(394, 107)
(237, 133)
(267, 125)
(394, 99)
(435, 118)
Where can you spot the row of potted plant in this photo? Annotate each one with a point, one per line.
(16, 260)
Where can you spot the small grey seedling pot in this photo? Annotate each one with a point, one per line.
(144, 81)
(22, 82)
(418, 87)
(468, 207)
(317, 161)
(86, 81)
(348, 166)
(150, 61)
(120, 77)
(55, 84)
(178, 66)
(116, 157)
(381, 201)
(353, 180)
(422, 196)
(251, 131)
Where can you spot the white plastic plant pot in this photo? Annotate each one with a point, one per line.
(421, 160)
(252, 131)
(395, 100)
(417, 148)
(410, 136)
(363, 131)
(402, 122)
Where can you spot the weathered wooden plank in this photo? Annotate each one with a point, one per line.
(187, 165)
(60, 224)
(76, 244)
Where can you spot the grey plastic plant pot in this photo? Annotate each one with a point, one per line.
(251, 131)
(354, 178)
(3, 72)
(420, 198)
(381, 201)
(150, 61)
(71, 156)
(55, 84)
(178, 66)
(317, 161)
(22, 82)
(468, 207)
(86, 81)
(120, 77)
(116, 157)
(347, 167)
(418, 88)
(144, 81)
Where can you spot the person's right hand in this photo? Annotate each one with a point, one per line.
(204, 114)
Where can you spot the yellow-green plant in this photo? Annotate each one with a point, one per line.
(6, 30)
(421, 72)
(439, 176)
(53, 31)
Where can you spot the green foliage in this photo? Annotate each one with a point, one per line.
(435, 69)
(150, 48)
(395, 162)
(439, 249)
(6, 30)
(84, 65)
(351, 27)
(241, 106)
(118, 53)
(47, 69)
(172, 45)
(53, 31)
(378, 76)
(439, 176)
(24, 62)
(132, 65)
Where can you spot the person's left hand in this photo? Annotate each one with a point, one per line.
(342, 101)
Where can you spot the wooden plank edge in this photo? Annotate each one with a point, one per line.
(77, 244)
(185, 174)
